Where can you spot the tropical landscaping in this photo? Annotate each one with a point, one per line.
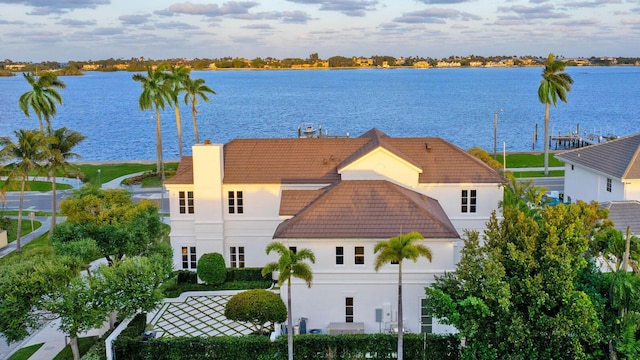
(542, 282)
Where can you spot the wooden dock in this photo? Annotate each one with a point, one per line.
(574, 140)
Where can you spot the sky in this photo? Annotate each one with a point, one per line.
(83, 30)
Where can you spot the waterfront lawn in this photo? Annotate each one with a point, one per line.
(537, 174)
(520, 160)
(26, 352)
(109, 172)
(37, 186)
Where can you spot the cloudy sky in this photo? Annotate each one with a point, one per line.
(62, 30)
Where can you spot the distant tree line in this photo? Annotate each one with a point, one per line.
(136, 64)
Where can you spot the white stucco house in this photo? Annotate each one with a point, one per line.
(337, 197)
(604, 172)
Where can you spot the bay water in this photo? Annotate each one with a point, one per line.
(457, 105)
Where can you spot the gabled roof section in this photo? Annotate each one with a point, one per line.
(371, 209)
(378, 140)
(619, 158)
(184, 172)
(623, 214)
(317, 160)
(292, 201)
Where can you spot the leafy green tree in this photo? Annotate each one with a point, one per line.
(514, 296)
(61, 144)
(176, 76)
(291, 263)
(42, 97)
(156, 93)
(194, 89)
(257, 307)
(26, 154)
(555, 84)
(610, 247)
(212, 269)
(395, 251)
(119, 226)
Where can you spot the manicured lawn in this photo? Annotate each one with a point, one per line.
(37, 186)
(534, 174)
(84, 344)
(25, 352)
(109, 172)
(520, 160)
(40, 246)
(26, 227)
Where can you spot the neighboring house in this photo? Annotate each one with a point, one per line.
(337, 197)
(608, 171)
(625, 214)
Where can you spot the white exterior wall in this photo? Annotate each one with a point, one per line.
(585, 184)
(381, 164)
(324, 302)
(632, 190)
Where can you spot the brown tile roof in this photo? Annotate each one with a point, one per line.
(623, 214)
(373, 209)
(292, 201)
(317, 160)
(184, 172)
(617, 158)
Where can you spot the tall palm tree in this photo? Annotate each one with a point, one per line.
(61, 143)
(176, 76)
(555, 84)
(43, 96)
(396, 250)
(195, 88)
(155, 95)
(28, 152)
(291, 263)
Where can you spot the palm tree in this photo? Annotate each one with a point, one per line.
(155, 95)
(195, 88)
(43, 96)
(395, 250)
(28, 152)
(291, 263)
(176, 76)
(61, 143)
(555, 84)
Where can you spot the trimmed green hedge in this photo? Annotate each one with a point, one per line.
(373, 346)
(246, 274)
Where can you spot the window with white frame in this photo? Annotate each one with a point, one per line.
(339, 255)
(348, 310)
(236, 202)
(468, 201)
(608, 184)
(189, 260)
(186, 202)
(426, 321)
(237, 256)
(359, 255)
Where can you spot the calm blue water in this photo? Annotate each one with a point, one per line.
(455, 104)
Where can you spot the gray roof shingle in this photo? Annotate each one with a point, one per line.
(617, 158)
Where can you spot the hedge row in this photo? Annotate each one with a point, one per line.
(233, 274)
(373, 346)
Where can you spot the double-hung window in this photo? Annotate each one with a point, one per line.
(468, 201)
(608, 184)
(426, 321)
(189, 260)
(348, 310)
(237, 256)
(359, 255)
(339, 255)
(236, 203)
(186, 202)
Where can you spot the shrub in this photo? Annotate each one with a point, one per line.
(257, 307)
(187, 277)
(246, 274)
(212, 269)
